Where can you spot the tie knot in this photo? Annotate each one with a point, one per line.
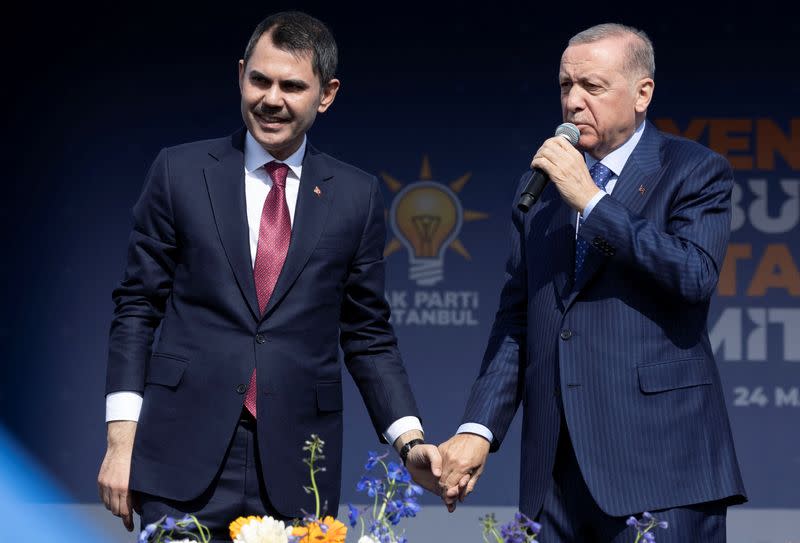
(600, 174)
(278, 172)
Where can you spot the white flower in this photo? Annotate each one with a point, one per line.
(264, 530)
(366, 539)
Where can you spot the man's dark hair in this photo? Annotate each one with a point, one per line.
(299, 34)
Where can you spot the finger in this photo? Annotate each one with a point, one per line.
(127, 512)
(462, 486)
(116, 502)
(470, 487)
(451, 493)
(436, 462)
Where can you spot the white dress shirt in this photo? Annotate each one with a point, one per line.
(127, 405)
(614, 161)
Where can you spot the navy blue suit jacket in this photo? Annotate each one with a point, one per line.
(189, 270)
(623, 351)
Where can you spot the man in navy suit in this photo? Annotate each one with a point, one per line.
(601, 331)
(258, 256)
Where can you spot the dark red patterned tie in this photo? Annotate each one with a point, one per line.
(274, 233)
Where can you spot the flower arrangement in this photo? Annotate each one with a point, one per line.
(520, 530)
(312, 529)
(524, 530)
(645, 527)
(394, 497)
(167, 529)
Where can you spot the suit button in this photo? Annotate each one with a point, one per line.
(566, 334)
(241, 389)
(260, 339)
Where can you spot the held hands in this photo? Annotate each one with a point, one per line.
(463, 460)
(423, 461)
(115, 471)
(566, 167)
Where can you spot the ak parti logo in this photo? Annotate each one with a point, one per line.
(426, 217)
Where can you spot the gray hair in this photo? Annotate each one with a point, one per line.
(640, 59)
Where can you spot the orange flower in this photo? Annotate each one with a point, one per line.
(236, 526)
(333, 531)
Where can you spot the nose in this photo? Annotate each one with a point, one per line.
(272, 97)
(573, 100)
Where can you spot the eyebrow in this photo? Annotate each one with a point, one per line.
(295, 82)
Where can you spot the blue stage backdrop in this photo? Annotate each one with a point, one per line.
(445, 107)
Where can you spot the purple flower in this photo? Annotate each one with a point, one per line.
(372, 460)
(352, 514)
(663, 524)
(170, 524)
(147, 532)
(647, 515)
(632, 521)
(397, 473)
(413, 490)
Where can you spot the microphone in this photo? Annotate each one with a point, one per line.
(538, 179)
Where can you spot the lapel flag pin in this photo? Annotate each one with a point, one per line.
(317, 191)
(642, 190)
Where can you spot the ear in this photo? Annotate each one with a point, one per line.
(644, 93)
(241, 74)
(328, 95)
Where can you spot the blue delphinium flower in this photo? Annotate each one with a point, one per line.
(373, 459)
(413, 490)
(394, 497)
(352, 514)
(147, 532)
(645, 527)
(395, 472)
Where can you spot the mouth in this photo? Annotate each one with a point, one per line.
(270, 122)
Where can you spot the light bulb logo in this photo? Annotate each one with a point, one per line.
(427, 217)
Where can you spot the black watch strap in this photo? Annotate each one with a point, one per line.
(407, 448)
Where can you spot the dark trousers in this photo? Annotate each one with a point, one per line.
(570, 514)
(237, 490)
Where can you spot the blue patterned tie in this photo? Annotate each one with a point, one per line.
(600, 175)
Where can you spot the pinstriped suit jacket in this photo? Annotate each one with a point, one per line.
(623, 350)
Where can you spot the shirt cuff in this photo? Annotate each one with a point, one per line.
(593, 202)
(475, 428)
(400, 427)
(123, 406)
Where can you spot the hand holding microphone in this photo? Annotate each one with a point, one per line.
(539, 178)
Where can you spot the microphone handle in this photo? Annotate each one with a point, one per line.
(533, 189)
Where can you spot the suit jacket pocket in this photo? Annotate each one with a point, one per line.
(329, 396)
(663, 376)
(166, 369)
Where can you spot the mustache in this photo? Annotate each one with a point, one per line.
(271, 113)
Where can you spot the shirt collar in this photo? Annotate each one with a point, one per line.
(616, 159)
(255, 156)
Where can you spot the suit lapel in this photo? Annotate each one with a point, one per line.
(636, 183)
(225, 183)
(313, 203)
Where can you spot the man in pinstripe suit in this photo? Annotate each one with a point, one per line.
(601, 331)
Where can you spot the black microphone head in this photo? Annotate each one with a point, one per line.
(569, 131)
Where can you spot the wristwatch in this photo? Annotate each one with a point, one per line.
(407, 448)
